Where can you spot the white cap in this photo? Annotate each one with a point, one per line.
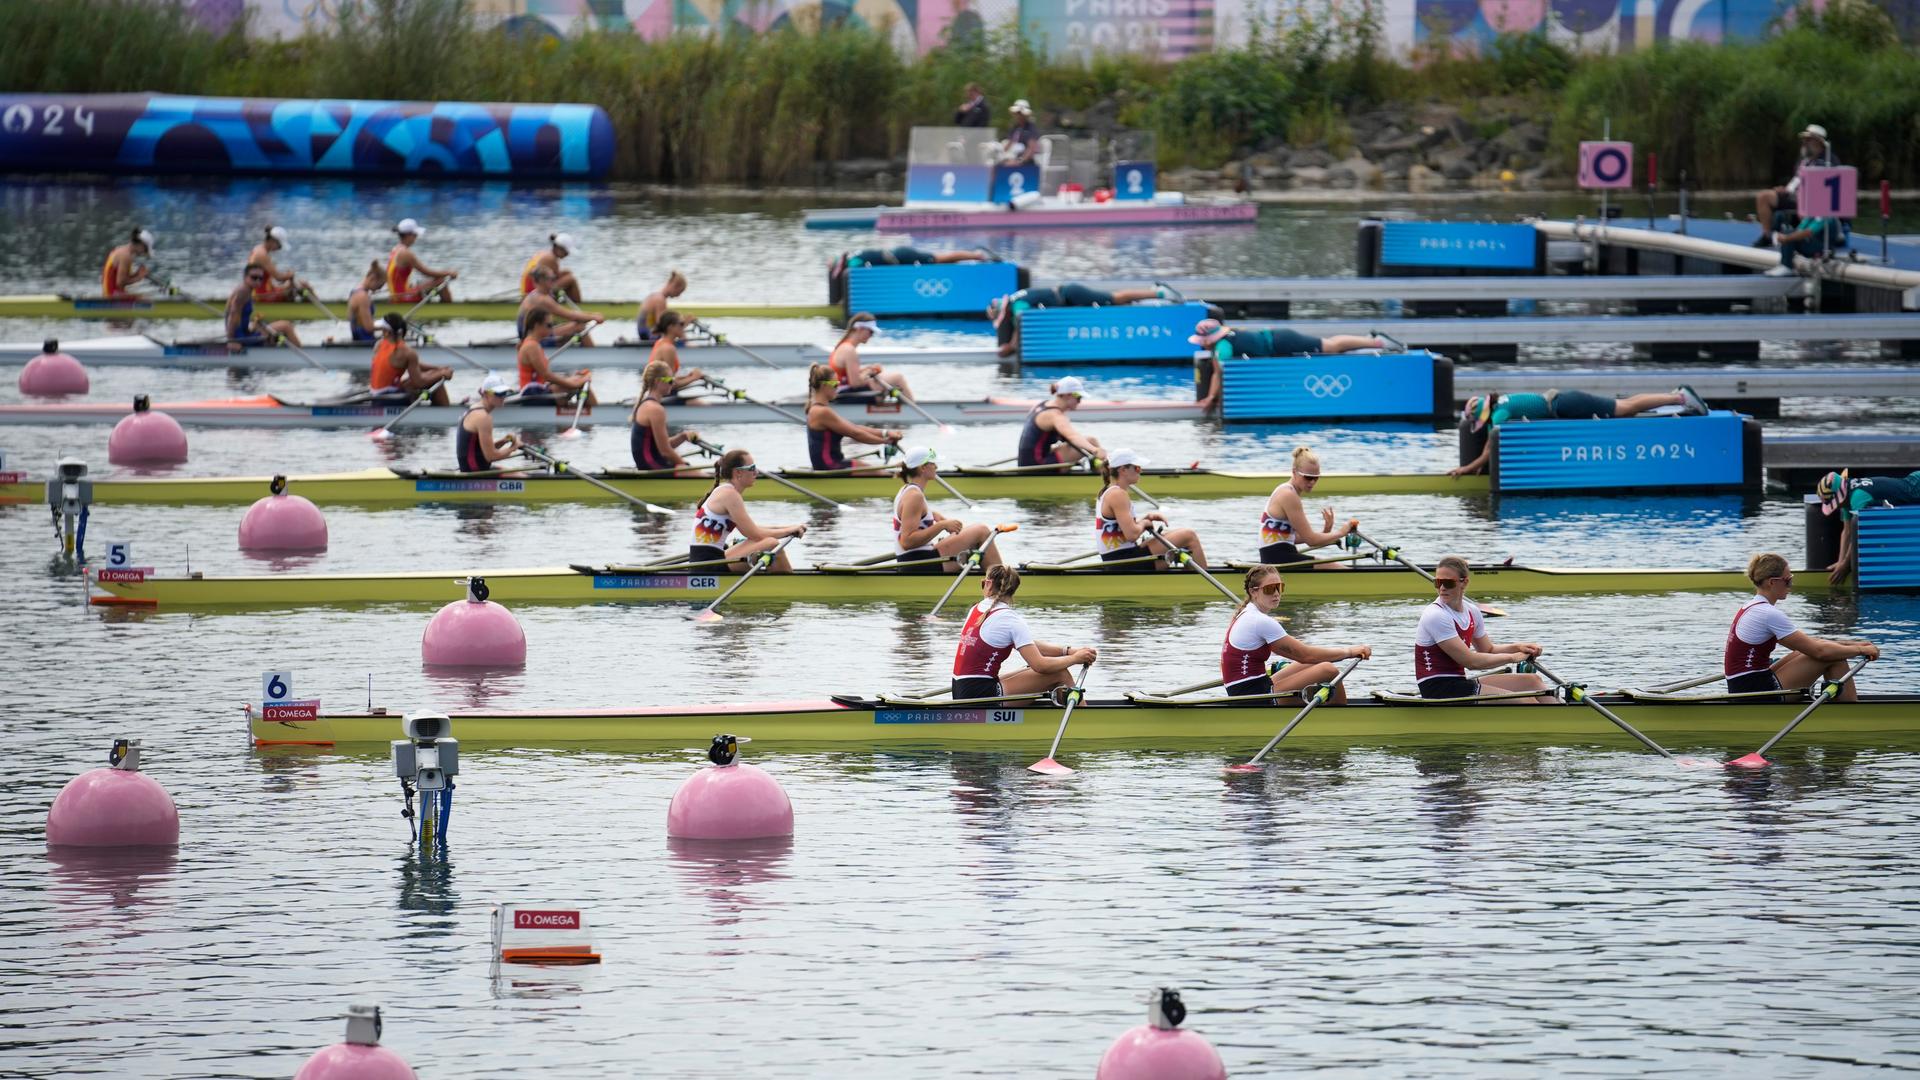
(865, 324)
(1021, 106)
(280, 233)
(145, 236)
(409, 227)
(1120, 458)
(496, 383)
(564, 240)
(1816, 131)
(919, 456)
(1208, 331)
(1071, 385)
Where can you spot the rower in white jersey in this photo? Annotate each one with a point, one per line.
(723, 511)
(917, 529)
(1253, 634)
(1285, 528)
(1759, 625)
(1453, 637)
(993, 632)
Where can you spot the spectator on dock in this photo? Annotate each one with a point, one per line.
(1023, 138)
(1774, 207)
(1848, 495)
(974, 111)
(1218, 341)
(1812, 237)
(1496, 409)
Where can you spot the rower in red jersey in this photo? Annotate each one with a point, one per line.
(1759, 625)
(993, 632)
(1453, 637)
(1253, 634)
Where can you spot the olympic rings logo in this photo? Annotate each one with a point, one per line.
(1322, 386)
(932, 287)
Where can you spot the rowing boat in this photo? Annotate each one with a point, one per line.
(141, 350)
(892, 722)
(585, 584)
(404, 487)
(268, 411)
(59, 306)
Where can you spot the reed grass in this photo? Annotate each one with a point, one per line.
(780, 107)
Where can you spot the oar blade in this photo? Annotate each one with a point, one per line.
(706, 615)
(380, 434)
(1749, 761)
(1049, 767)
(1245, 767)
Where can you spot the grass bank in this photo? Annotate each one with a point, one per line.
(774, 108)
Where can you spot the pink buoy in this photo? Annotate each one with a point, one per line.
(115, 806)
(283, 522)
(734, 801)
(475, 632)
(53, 374)
(146, 437)
(360, 1057)
(1159, 1050)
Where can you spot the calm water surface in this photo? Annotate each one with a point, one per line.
(1421, 909)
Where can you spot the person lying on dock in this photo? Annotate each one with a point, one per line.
(1497, 409)
(1847, 496)
(1771, 204)
(119, 271)
(899, 256)
(397, 370)
(1218, 342)
(1759, 625)
(566, 321)
(1003, 313)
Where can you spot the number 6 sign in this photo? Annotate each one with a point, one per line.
(276, 686)
(1829, 191)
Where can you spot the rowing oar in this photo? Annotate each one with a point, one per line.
(966, 566)
(721, 339)
(431, 293)
(1150, 500)
(1758, 759)
(896, 395)
(764, 560)
(1185, 558)
(385, 431)
(741, 395)
(559, 466)
(775, 477)
(579, 403)
(951, 490)
(307, 291)
(1046, 764)
(1273, 666)
(1577, 692)
(1394, 554)
(172, 290)
(282, 339)
(434, 342)
(1314, 700)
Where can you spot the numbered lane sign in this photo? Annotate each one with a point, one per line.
(276, 686)
(1829, 191)
(1606, 164)
(119, 555)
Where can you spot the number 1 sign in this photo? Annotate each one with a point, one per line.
(1829, 191)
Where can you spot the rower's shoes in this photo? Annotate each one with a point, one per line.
(1692, 404)
(987, 255)
(1168, 292)
(1779, 271)
(1765, 241)
(837, 269)
(1393, 343)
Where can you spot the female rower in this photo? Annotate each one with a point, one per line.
(281, 285)
(669, 333)
(1284, 526)
(864, 382)
(656, 302)
(474, 447)
(920, 542)
(397, 368)
(1453, 637)
(1004, 313)
(536, 377)
(1497, 409)
(1122, 536)
(119, 271)
(1253, 634)
(653, 448)
(826, 428)
(1218, 342)
(992, 632)
(559, 246)
(723, 510)
(1760, 624)
(566, 321)
(243, 330)
(360, 303)
(402, 264)
(1048, 437)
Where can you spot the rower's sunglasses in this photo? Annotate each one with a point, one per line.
(1273, 588)
(748, 467)
(1308, 476)
(256, 277)
(1448, 582)
(1788, 578)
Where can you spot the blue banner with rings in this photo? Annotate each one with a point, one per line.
(1348, 386)
(939, 289)
(1458, 245)
(1637, 452)
(1126, 333)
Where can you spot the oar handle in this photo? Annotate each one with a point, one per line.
(1827, 693)
(1578, 693)
(1073, 698)
(1313, 701)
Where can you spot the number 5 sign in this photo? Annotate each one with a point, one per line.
(1829, 191)
(1606, 164)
